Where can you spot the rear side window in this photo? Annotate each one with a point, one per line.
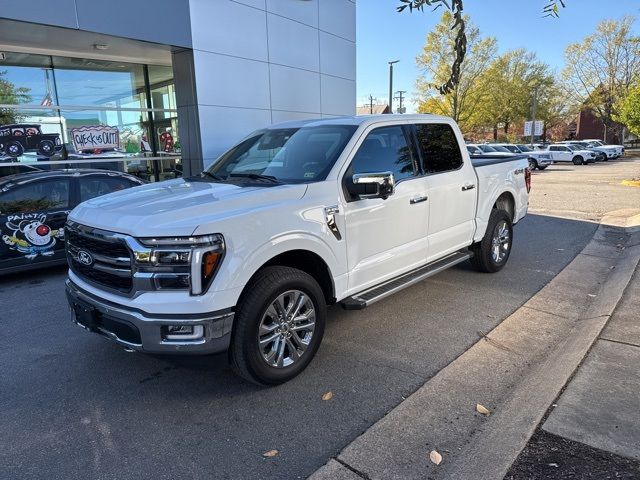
(91, 187)
(385, 150)
(439, 147)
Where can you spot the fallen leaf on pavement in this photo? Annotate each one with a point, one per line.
(483, 410)
(271, 453)
(327, 396)
(435, 457)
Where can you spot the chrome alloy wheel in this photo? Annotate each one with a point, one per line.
(501, 242)
(286, 328)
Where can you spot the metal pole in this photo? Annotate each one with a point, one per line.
(534, 112)
(391, 85)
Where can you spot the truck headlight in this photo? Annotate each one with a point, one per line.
(181, 263)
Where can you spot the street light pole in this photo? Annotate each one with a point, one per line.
(391, 84)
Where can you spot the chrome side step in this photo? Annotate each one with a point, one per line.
(374, 294)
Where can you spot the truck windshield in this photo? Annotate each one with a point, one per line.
(524, 148)
(286, 155)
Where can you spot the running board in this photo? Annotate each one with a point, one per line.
(372, 295)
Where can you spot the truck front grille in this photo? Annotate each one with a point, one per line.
(99, 257)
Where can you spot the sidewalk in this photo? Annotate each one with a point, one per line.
(516, 372)
(594, 431)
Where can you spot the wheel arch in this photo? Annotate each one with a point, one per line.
(507, 202)
(308, 262)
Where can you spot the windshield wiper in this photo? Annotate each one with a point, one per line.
(212, 175)
(256, 176)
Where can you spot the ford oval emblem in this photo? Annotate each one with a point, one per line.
(84, 258)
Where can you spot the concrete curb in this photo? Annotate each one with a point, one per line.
(516, 371)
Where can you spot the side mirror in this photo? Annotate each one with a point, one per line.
(372, 185)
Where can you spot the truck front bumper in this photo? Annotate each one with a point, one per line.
(148, 333)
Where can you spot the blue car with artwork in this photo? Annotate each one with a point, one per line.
(34, 208)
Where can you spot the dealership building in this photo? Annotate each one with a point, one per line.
(161, 88)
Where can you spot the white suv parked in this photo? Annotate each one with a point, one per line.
(568, 153)
(246, 256)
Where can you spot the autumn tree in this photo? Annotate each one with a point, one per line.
(435, 61)
(601, 69)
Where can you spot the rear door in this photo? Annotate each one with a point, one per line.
(32, 218)
(96, 185)
(452, 186)
(560, 153)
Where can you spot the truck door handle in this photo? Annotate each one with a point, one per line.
(420, 199)
(468, 187)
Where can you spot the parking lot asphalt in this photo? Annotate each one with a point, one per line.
(75, 406)
(586, 191)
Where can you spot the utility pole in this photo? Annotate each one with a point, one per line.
(534, 111)
(370, 104)
(400, 99)
(391, 63)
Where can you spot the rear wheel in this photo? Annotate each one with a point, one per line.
(533, 164)
(14, 149)
(491, 254)
(578, 160)
(278, 326)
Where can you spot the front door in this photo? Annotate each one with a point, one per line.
(32, 218)
(386, 237)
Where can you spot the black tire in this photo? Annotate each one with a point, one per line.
(578, 160)
(533, 164)
(46, 148)
(542, 168)
(14, 149)
(262, 291)
(483, 259)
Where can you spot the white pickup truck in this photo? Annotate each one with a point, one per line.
(246, 256)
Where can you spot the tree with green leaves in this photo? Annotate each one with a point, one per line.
(462, 100)
(602, 68)
(551, 8)
(629, 111)
(10, 94)
(509, 85)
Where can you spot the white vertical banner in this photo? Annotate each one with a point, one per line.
(527, 128)
(538, 128)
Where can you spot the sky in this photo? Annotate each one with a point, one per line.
(385, 35)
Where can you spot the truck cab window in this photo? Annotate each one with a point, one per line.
(439, 147)
(385, 150)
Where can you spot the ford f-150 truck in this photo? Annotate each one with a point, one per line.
(246, 256)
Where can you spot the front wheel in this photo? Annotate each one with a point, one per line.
(278, 326)
(578, 160)
(532, 164)
(491, 254)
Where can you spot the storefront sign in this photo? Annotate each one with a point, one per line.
(98, 137)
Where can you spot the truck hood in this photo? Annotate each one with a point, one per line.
(178, 207)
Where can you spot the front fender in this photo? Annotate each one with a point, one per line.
(238, 269)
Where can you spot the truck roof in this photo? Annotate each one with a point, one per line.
(359, 120)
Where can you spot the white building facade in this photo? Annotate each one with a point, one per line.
(181, 80)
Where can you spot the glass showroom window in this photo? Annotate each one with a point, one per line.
(89, 113)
